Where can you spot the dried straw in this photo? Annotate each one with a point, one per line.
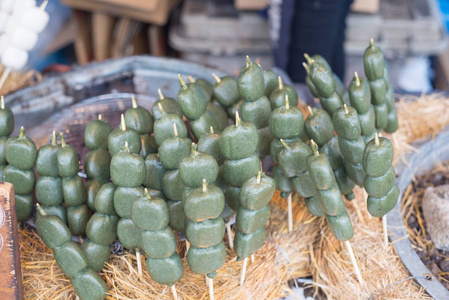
(309, 250)
(17, 80)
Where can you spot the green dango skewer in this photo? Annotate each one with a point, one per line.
(141, 120)
(277, 97)
(225, 90)
(98, 160)
(193, 106)
(169, 105)
(374, 65)
(213, 106)
(101, 230)
(49, 192)
(171, 152)
(319, 127)
(72, 188)
(128, 172)
(122, 134)
(331, 200)
(70, 257)
(256, 111)
(324, 86)
(203, 205)
(6, 128)
(253, 214)
(360, 99)
(151, 216)
(339, 87)
(380, 179)
(392, 125)
(286, 123)
(20, 153)
(209, 144)
(347, 125)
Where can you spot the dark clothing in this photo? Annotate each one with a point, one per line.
(309, 26)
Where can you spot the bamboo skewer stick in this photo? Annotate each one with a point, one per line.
(290, 214)
(243, 273)
(187, 248)
(139, 262)
(385, 229)
(211, 288)
(354, 262)
(230, 235)
(175, 294)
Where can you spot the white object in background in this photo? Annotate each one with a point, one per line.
(34, 19)
(12, 24)
(7, 5)
(14, 58)
(5, 42)
(415, 74)
(20, 6)
(3, 20)
(23, 39)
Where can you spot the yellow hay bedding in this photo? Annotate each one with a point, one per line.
(310, 250)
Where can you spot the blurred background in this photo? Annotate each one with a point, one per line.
(219, 33)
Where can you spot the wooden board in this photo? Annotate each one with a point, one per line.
(10, 269)
(159, 15)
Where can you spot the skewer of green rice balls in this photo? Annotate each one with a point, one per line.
(20, 153)
(70, 257)
(128, 173)
(151, 216)
(98, 160)
(380, 179)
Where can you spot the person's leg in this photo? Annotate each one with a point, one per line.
(316, 29)
(338, 60)
(280, 14)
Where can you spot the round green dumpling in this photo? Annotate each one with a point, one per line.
(196, 167)
(104, 201)
(346, 123)
(71, 258)
(23, 181)
(206, 260)
(257, 191)
(159, 244)
(239, 140)
(173, 150)
(102, 229)
(97, 164)
(49, 190)
(191, 100)
(251, 83)
(89, 285)
(166, 271)
(201, 205)
(206, 233)
(21, 151)
(150, 213)
(155, 172)
(378, 157)
(77, 218)
(53, 231)
(286, 122)
(341, 226)
(128, 169)
(68, 161)
(73, 191)
(236, 172)
(96, 134)
(128, 234)
(226, 91)
(124, 199)
(164, 127)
